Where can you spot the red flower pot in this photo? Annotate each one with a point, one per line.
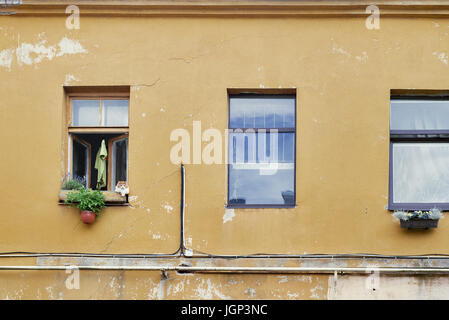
(88, 217)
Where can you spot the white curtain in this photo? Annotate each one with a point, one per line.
(420, 172)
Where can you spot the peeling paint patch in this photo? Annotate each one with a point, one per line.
(314, 292)
(69, 46)
(189, 241)
(250, 292)
(292, 295)
(362, 58)
(339, 50)
(35, 53)
(49, 290)
(167, 207)
(30, 54)
(70, 78)
(206, 291)
(6, 57)
(442, 56)
(229, 214)
(161, 289)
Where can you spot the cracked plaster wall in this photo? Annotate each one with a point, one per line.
(178, 70)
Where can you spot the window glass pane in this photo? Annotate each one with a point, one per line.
(115, 113)
(420, 172)
(419, 115)
(86, 112)
(268, 147)
(119, 161)
(262, 112)
(80, 162)
(261, 168)
(249, 185)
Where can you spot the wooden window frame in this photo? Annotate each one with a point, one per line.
(110, 142)
(100, 98)
(89, 155)
(71, 131)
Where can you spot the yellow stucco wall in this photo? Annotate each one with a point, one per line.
(179, 70)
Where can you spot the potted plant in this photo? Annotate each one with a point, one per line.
(90, 202)
(419, 219)
(72, 184)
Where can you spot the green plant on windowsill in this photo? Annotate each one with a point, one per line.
(74, 183)
(90, 202)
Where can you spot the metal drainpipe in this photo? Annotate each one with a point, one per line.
(181, 246)
(267, 270)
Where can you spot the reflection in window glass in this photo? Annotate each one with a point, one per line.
(119, 161)
(80, 162)
(115, 113)
(248, 184)
(262, 112)
(86, 113)
(421, 172)
(419, 115)
(260, 147)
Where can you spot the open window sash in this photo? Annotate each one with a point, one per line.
(117, 160)
(81, 158)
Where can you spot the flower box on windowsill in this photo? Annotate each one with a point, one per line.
(110, 196)
(419, 223)
(418, 219)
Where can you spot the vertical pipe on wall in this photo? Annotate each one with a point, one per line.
(181, 247)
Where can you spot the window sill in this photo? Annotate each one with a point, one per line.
(262, 206)
(110, 197)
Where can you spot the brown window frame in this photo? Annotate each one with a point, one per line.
(89, 155)
(110, 142)
(71, 131)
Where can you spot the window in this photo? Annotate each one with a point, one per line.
(261, 157)
(419, 153)
(93, 120)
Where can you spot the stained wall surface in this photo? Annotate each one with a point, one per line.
(179, 70)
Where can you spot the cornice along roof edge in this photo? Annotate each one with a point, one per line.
(227, 8)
